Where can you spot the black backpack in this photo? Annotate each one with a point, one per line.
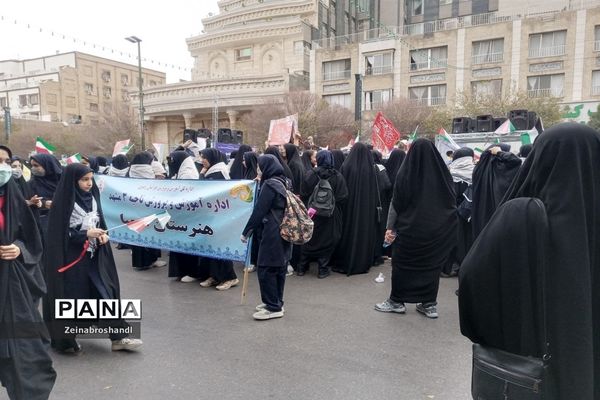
(322, 199)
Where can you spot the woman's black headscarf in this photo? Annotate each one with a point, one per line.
(175, 160)
(525, 150)
(94, 165)
(274, 151)
(425, 202)
(45, 186)
(491, 178)
(237, 168)
(338, 159)
(295, 164)
(563, 171)
(271, 168)
(120, 162)
(306, 160)
(394, 163)
(377, 157)
(212, 155)
(463, 152)
(142, 158)
(251, 160)
(82, 198)
(325, 159)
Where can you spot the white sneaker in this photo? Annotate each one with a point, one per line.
(187, 279)
(263, 306)
(126, 344)
(228, 284)
(251, 268)
(290, 270)
(159, 264)
(266, 314)
(209, 282)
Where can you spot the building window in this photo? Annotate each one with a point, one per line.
(416, 7)
(107, 107)
(545, 85)
(94, 107)
(23, 100)
(244, 54)
(301, 47)
(333, 70)
(89, 88)
(433, 58)
(596, 83)
(70, 101)
(363, 6)
(34, 99)
(106, 76)
(152, 83)
(51, 99)
(445, 2)
(342, 100)
(486, 88)
(378, 64)
(376, 99)
(107, 92)
(547, 44)
(488, 51)
(124, 95)
(428, 95)
(597, 38)
(124, 79)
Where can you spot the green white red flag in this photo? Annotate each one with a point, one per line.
(122, 147)
(74, 159)
(506, 128)
(43, 147)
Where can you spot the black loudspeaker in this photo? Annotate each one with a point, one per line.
(519, 119)
(498, 122)
(461, 125)
(190, 134)
(531, 120)
(485, 123)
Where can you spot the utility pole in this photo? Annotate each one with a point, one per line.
(7, 123)
(135, 39)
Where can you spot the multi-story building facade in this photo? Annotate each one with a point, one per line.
(70, 87)
(553, 53)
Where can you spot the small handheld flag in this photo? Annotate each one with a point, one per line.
(43, 147)
(122, 147)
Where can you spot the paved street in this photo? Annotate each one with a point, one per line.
(202, 344)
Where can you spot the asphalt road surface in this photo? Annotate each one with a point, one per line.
(200, 343)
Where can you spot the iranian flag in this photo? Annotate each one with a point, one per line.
(41, 146)
(122, 147)
(506, 128)
(138, 225)
(74, 159)
(445, 143)
(478, 152)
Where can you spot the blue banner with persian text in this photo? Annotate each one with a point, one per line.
(207, 217)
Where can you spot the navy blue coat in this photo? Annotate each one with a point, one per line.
(268, 213)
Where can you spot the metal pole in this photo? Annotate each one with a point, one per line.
(141, 96)
(7, 123)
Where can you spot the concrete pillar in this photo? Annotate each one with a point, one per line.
(233, 117)
(187, 117)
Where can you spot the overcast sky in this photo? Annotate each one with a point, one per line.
(162, 26)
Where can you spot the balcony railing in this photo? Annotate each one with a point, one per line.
(336, 75)
(430, 64)
(430, 101)
(558, 92)
(488, 58)
(595, 90)
(597, 45)
(388, 69)
(551, 51)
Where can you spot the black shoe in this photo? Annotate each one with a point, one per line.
(67, 346)
(300, 272)
(324, 273)
(378, 261)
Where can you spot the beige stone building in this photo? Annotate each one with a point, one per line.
(72, 87)
(553, 52)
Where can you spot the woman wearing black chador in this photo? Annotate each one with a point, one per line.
(76, 216)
